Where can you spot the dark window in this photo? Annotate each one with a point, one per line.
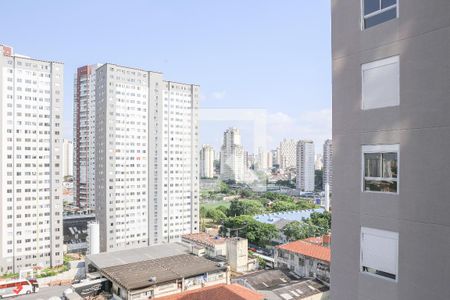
(378, 11)
(380, 172)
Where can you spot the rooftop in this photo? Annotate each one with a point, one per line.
(282, 285)
(295, 215)
(116, 258)
(221, 291)
(204, 239)
(308, 249)
(138, 275)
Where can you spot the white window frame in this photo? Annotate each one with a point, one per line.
(380, 11)
(384, 233)
(378, 64)
(380, 149)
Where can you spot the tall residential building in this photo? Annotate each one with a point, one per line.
(67, 158)
(391, 135)
(84, 136)
(207, 162)
(232, 156)
(147, 165)
(31, 101)
(305, 166)
(276, 158)
(288, 154)
(264, 160)
(327, 174)
(318, 164)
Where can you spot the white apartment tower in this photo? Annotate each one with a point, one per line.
(328, 164)
(305, 166)
(84, 136)
(232, 156)
(287, 153)
(67, 158)
(147, 173)
(31, 100)
(207, 162)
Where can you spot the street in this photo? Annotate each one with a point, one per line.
(44, 293)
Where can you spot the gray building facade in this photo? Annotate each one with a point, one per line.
(391, 87)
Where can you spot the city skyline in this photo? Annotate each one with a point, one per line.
(265, 46)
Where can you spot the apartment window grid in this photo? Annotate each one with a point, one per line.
(375, 12)
(380, 172)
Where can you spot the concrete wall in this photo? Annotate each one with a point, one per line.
(420, 125)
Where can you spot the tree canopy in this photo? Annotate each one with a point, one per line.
(245, 207)
(256, 232)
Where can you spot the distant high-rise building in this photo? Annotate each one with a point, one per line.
(31, 107)
(207, 162)
(232, 156)
(327, 164)
(288, 152)
(147, 159)
(264, 160)
(67, 158)
(276, 157)
(391, 140)
(305, 166)
(84, 136)
(318, 164)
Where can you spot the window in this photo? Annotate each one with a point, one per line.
(380, 168)
(378, 11)
(381, 83)
(379, 252)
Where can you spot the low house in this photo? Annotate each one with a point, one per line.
(310, 258)
(284, 285)
(155, 271)
(213, 245)
(221, 291)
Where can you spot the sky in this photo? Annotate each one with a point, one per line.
(269, 55)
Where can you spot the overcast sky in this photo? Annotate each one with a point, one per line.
(271, 55)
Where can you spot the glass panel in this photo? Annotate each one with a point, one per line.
(390, 165)
(387, 186)
(370, 6)
(381, 18)
(372, 164)
(387, 3)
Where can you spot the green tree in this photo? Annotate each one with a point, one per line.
(216, 215)
(295, 231)
(256, 232)
(321, 220)
(245, 193)
(203, 212)
(284, 206)
(305, 204)
(245, 207)
(224, 188)
(223, 209)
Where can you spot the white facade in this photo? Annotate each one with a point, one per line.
(328, 164)
(84, 136)
(207, 162)
(67, 158)
(264, 160)
(232, 163)
(31, 100)
(147, 173)
(287, 154)
(305, 166)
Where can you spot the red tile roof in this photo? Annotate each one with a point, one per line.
(308, 249)
(320, 240)
(220, 291)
